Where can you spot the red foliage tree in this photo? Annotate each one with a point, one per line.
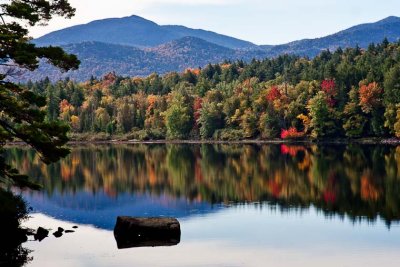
(197, 105)
(329, 87)
(290, 133)
(273, 94)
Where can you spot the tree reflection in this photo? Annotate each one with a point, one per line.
(361, 182)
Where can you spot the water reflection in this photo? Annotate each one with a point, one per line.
(361, 182)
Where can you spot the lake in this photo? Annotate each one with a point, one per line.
(238, 205)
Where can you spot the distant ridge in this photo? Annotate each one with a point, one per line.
(361, 35)
(134, 31)
(134, 46)
(99, 58)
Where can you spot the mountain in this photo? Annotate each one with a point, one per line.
(361, 35)
(133, 46)
(134, 31)
(98, 58)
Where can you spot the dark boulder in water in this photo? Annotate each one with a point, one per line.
(58, 234)
(41, 234)
(146, 232)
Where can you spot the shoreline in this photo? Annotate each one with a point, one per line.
(361, 141)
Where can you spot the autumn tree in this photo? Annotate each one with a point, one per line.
(329, 87)
(102, 119)
(371, 104)
(154, 113)
(370, 97)
(126, 114)
(271, 119)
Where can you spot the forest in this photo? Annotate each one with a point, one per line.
(346, 93)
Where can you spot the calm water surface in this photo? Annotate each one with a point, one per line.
(239, 205)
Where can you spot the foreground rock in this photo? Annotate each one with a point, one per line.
(41, 234)
(146, 232)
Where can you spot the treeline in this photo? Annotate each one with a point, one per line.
(349, 93)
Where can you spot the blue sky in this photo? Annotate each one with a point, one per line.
(258, 21)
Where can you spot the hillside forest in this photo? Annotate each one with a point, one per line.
(349, 93)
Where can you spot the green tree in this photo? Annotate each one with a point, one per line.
(179, 115)
(322, 117)
(392, 86)
(211, 119)
(178, 121)
(53, 109)
(390, 117)
(353, 119)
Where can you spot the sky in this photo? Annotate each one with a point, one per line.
(258, 21)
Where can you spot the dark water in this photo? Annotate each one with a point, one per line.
(239, 205)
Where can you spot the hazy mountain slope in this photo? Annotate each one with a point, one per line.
(361, 35)
(210, 36)
(100, 58)
(195, 52)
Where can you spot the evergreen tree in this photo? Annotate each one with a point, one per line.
(22, 116)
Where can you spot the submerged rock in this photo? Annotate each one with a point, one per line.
(146, 232)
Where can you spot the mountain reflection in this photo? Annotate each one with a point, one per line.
(362, 182)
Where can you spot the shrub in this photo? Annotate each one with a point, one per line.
(291, 133)
(228, 134)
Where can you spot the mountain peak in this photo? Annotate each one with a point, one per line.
(127, 22)
(134, 31)
(136, 19)
(390, 19)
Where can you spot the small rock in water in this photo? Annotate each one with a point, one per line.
(75, 227)
(41, 234)
(69, 231)
(60, 229)
(58, 234)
